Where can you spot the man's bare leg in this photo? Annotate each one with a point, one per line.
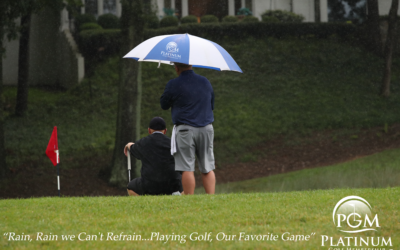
(209, 182)
(188, 182)
(131, 193)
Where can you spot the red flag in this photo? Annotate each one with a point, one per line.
(52, 148)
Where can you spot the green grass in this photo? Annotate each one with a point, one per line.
(290, 87)
(379, 170)
(299, 213)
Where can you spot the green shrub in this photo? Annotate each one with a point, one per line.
(249, 19)
(95, 42)
(284, 16)
(152, 22)
(90, 26)
(169, 21)
(270, 19)
(209, 19)
(108, 21)
(84, 18)
(245, 12)
(241, 30)
(230, 19)
(189, 19)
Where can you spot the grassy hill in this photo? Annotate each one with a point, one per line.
(189, 217)
(380, 170)
(290, 87)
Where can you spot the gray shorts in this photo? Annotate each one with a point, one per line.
(192, 142)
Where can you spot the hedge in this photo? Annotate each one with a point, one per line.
(242, 30)
(90, 26)
(169, 21)
(189, 19)
(209, 19)
(108, 21)
(108, 41)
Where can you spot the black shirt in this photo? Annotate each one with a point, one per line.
(158, 165)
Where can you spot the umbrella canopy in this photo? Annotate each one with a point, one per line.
(184, 48)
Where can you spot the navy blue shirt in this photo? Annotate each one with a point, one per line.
(191, 99)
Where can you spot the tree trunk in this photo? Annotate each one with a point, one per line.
(132, 27)
(23, 67)
(388, 53)
(3, 166)
(317, 10)
(374, 31)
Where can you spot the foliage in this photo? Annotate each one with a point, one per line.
(90, 26)
(152, 22)
(108, 21)
(184, 218)
(189, 19)
(230, 19)
(270, 19)
(245, 12)
(169, 21)
(249, 19)
(380, 170)
(284, 16)
(84, 18)
(209, 19)
(97, 42)
(242, 30)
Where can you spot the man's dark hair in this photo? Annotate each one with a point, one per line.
(182, 65)
(157, 123)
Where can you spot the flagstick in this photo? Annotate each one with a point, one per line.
(58, 174)
(129, 166)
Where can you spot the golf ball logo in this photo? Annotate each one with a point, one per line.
(172, 47)
(352, 214)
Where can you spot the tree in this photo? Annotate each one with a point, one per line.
(388, 52)
(26, 8)
(374, 31)
(132, 28)
(7, 28)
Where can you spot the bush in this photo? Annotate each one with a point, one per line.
(84, 18)
(90, 26)
(249, 19)
(209, 19)
(284, 16)
(230, 19)
(189, 19)
(241, 30)
(152, 22)
(108, 21)
(270, 19)
(169, 21)
(91, 42)
(106, 41)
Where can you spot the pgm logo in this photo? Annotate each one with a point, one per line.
(172, 47)
(352, 214)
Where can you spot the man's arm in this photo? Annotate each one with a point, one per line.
(165, 99)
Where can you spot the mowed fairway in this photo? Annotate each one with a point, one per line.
(297, 213)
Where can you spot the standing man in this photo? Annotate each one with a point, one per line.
(158, 175)
(191, 99)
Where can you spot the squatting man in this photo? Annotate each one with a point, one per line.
(158, 175)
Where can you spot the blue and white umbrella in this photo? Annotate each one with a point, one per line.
(184, 48)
